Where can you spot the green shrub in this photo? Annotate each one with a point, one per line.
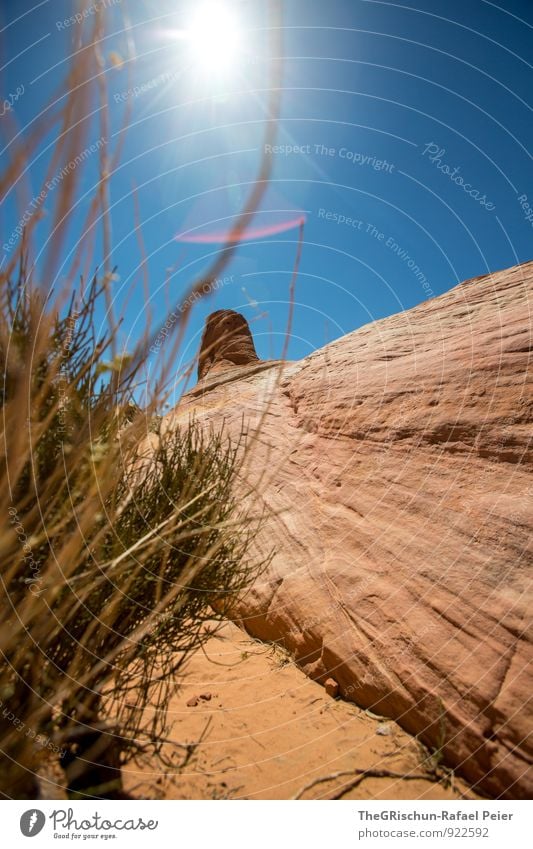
(119, 541)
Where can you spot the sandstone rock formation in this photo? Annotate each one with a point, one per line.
(395, 465)
(226, 341)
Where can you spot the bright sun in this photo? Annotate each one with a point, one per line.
(214, 38)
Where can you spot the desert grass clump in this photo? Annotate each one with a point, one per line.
(119, 541)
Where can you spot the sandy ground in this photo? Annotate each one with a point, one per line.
(269, 731)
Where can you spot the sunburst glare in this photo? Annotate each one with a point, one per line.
(215, 39)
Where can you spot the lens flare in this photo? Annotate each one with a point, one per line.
(256, 231)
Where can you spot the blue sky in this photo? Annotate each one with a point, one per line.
(403, 139)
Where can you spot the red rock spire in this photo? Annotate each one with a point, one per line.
(226, 342)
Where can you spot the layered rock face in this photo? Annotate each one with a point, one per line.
(395, 467)
(226, 341)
